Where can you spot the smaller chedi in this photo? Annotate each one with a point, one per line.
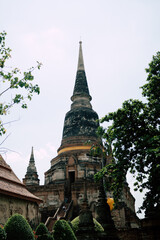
(31, 177)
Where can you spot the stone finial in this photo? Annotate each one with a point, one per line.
(32, 156)
(81, 91)
(80, 59)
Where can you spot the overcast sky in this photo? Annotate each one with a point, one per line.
(119, 38)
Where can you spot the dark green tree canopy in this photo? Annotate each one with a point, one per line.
(134, 137)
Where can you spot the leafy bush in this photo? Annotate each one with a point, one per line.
(97, 226)
(45, 237)
(2, 234)
(17, 228)
(63, 231)
(41, 229)
(42, 232)
(70, 224)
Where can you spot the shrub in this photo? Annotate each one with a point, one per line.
(97, 226)
(63, 231)
(2, 234)
(45, 237)
(17, 228)
(42, 232)
(41, 229)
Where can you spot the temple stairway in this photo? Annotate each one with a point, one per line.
(63, 212)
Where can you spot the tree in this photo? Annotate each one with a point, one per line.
(18, 85)
(134, 137)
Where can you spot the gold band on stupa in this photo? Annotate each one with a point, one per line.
(74, 148)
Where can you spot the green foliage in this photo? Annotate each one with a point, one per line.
(45, 237)
(75, 222)
(42, 232)
(18, 84)
(63, 231)
(3, 234)
(41, 229)
(134, 136)
(17, 228)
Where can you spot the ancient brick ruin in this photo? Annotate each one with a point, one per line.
(74, 165)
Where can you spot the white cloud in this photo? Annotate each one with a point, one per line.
(51, 147)
(17, 162)
(44, 43)
(14, 158)
(41, 154)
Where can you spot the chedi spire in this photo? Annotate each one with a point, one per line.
(31, 177)
(80, 122)
(81, 96)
